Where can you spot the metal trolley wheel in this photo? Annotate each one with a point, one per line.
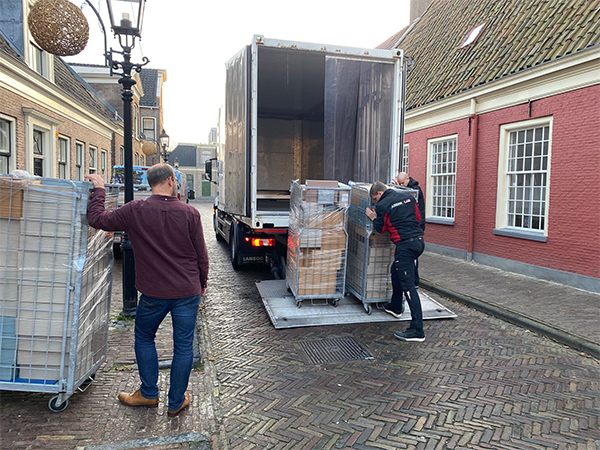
(368, 308)
(55, 407)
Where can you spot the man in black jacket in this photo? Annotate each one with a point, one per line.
(402, 179)
(397, 212)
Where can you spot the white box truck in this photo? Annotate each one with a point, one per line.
(298, 111)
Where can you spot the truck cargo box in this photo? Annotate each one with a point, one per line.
(298, 111)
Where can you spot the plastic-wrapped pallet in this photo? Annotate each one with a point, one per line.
(55, 285)
(317, 240)
(370, 254)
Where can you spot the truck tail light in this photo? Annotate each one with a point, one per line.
(263, 242)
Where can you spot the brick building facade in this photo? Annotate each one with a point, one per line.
(503, 133)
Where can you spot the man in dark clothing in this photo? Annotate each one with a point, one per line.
(404, 180)
(397, 212)
(171, 272)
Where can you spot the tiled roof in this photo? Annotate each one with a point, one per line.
(517, 35)
(149, 79)
(66, 79)
(186, 154)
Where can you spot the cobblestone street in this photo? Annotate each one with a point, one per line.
(477, 382)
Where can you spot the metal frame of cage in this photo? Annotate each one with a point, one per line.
(311, 209)
(357, 217)
(56, 285)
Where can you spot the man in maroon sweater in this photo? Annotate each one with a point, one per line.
(171, 272)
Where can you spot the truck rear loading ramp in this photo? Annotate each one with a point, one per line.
(283, 312)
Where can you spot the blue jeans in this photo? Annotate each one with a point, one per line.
(149, 314)
(403, 280)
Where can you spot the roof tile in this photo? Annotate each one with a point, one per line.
(518, 34)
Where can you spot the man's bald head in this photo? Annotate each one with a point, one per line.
(402, 179)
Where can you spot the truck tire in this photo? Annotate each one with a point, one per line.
(233, 248)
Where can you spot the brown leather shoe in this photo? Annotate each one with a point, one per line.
(137, 399)
(186, 403)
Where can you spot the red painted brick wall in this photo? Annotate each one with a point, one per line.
(573, 243)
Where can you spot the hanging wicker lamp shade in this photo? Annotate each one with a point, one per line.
(58, 27)
(148, 148)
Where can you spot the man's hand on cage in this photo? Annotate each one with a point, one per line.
(97, 180)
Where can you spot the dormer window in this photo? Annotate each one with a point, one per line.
(472, 35)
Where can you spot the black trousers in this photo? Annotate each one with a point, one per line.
(403, 273)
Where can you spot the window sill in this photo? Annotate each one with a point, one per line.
(520, 234)
(440, 220)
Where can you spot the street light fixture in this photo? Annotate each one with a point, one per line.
(126, 18)
(164, 143)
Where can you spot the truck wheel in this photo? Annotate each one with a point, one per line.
(233, 249)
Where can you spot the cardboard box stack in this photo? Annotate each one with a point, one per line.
(49, 250)
(317, 239)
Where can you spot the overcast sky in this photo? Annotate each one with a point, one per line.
(192, 40)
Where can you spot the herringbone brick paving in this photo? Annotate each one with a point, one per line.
(476, 382)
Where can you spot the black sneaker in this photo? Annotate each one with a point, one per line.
(410, 335)
(387, 307)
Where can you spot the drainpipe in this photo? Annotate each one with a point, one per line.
(473, 125)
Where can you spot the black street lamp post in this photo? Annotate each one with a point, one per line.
(164, 143)
(127, 30)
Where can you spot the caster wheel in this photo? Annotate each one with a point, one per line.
(298, 304)
(335, 303)
(368, 308)
(55, 407)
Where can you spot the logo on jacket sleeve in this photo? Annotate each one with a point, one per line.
(403, 202)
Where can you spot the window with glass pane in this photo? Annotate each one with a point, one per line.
(93, 155)
(136, 122)
(38, 153)
(38, 60)
(443, 178)
(404, 165)
(148, 128)
(103, 163)
(122, 155)
(527, 178)
(5, 145)
(137, 159)
(63, 149)
(79, 161)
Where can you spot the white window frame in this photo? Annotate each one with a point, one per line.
(137, 160)
(136, 121)
(35, 120)
(433, 196)
(141, 160)
(103, 162)
(404, 160)
(122, 155)
(66, 163)
(10, 153)
(93, 159)
(79, 161)
(151, 138)
(503, 226)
